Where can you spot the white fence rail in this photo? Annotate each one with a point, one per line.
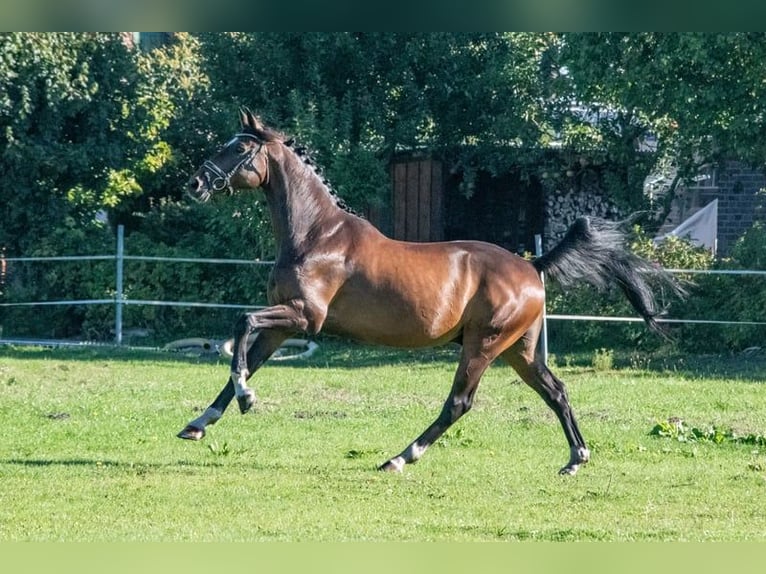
(119, 300)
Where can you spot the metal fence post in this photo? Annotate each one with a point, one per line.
(544, 333)
(118, 287)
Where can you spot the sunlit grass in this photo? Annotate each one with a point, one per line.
(89, 451)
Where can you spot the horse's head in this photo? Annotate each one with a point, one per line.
(242, 163)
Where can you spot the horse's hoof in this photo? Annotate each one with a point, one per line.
(569, 470)
(579, 455)
(246, 401)
(191, 433)
(391, 466)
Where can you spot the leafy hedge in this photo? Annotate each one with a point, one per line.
(232, 228)
(88, 125)
(56, 281)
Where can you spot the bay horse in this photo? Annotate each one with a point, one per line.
(336, 273)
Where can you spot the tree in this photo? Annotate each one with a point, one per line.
(701, 95)
(356, 98)
(82, 119)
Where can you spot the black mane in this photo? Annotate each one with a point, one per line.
(305, 155)
(252, 125)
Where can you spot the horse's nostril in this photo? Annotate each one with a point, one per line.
(194, 184)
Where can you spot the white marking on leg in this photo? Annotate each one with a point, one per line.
(240, 383)
(580, 453)
(209, 417)
(398, 463)
(413, 452)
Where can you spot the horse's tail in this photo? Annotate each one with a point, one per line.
(594, 251)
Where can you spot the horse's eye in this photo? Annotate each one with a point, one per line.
(241, 148)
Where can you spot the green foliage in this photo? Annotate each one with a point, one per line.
(715, 297)
(65, 280)
(356, 98)
(698, 93)
(72, 127)
(674, 253)
(749, 252)
(120, 130)
(728, 298)
(87, 124)
(233, 228)
(603, 359)
(677, 429)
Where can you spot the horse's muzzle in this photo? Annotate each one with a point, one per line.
(197, 189)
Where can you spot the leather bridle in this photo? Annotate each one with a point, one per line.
(219, 179)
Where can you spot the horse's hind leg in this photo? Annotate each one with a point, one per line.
(262, 348)
(471, 368)
(533, 370)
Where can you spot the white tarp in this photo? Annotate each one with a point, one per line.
(701, 228)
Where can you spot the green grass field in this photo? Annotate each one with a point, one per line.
(89, 451)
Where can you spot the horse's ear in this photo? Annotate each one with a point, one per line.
(250, 120)
(243, 116)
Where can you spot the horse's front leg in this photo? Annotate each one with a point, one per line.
(262, 348)
(281, 318)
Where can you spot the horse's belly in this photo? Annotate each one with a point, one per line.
(392, 323)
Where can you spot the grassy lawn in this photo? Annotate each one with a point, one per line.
(89, 451)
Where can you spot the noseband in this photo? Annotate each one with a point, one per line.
(219, 179)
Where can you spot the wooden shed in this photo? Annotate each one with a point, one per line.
(429, 204)
(417, 199)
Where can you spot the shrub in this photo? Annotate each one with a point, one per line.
(603, 359)
(236, 227)
(59, 280)
(233, 228)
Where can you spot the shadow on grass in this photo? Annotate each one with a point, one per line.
(332, 352)
(339, 353)
(738, 367)
(137, 467)
(219, 462)
(748, 366)
(106, 353)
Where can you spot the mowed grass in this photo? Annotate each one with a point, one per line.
(89, 451)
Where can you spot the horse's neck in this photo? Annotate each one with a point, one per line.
(302, 208)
